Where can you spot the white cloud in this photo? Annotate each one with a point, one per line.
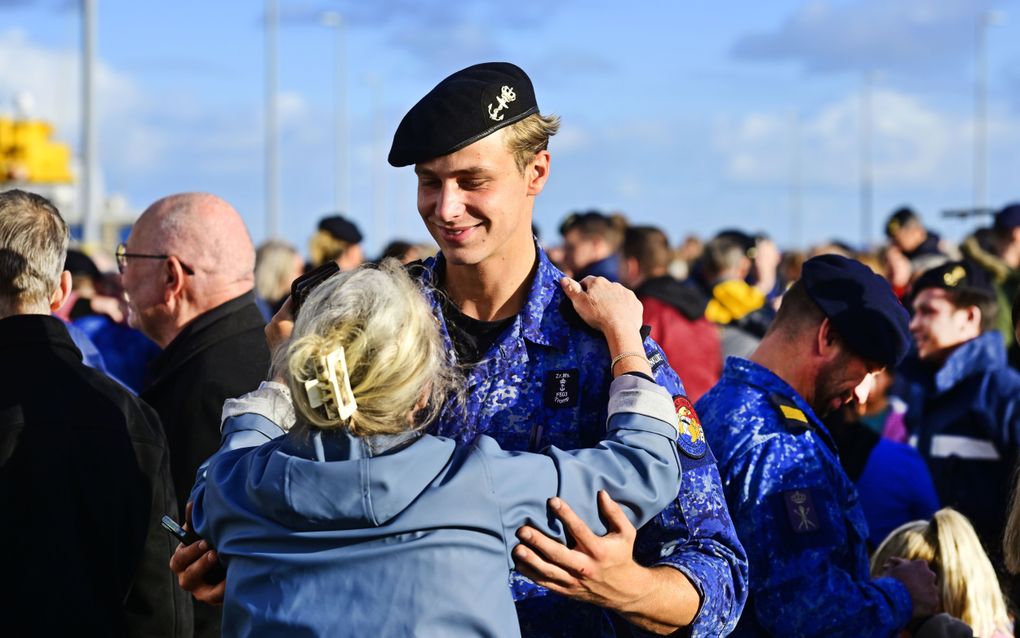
(913, 143)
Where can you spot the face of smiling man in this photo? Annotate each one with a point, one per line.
(477, 204)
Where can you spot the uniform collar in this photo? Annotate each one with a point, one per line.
(984, 352)
(750, 373)
(539, 321)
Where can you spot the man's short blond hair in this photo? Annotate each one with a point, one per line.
(528, 137)
(33, 246)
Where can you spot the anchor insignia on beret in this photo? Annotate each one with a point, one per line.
(506, 97)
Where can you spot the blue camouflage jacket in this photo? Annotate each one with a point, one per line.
(546, 382)
(965, 419)
(796, 512)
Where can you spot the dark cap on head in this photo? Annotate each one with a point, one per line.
(462, 109)
(861, 306)
(341, 228)
(954, 275)
(1009, 217)
(898, 220)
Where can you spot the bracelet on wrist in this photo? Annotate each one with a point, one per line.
(622, 356)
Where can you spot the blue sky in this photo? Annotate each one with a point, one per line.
(692, 116)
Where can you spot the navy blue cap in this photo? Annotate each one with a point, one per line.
(341, 228)
(861, 306)
(1009, 217)
(462, 109)
(954, 275)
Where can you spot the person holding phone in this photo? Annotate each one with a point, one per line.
(355, 512)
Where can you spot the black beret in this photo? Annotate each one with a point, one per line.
(462, 109)
(954, 275)
(78, 263)
(1009, 217)
(341, 228)
(898, 220)
(861, 306)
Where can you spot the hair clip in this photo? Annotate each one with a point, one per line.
(331, 389)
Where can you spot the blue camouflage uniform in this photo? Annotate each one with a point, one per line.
(544, 382)
(796, 512)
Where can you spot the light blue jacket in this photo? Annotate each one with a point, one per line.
(323, 538)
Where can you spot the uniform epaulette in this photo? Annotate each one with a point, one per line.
(793, 417)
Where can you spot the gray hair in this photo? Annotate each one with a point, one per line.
(33, 246)
(274, 269)
(399, 368)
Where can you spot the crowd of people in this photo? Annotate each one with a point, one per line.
(601, 433)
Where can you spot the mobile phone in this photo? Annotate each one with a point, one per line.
(217, 573)
(303, 285)
(185, 536)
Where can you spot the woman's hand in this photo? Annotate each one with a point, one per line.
(605, 306)
(616, 312)
(280, 327)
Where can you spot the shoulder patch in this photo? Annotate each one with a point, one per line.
(793, 417)
(801, 512)
(691, 439)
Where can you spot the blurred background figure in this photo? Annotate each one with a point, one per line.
(890, 476)
(338, 239)
(968, 587)
(102, 317)
(907, 234)
(735, 305)
(675, 312)
(591, 244)
(995, 256)
(403, 251)
(686, 255)
(277, 265)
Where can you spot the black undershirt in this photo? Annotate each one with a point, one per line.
(471, 337)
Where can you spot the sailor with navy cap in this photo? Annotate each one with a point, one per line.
(537, 377)
(795, 509)
(963, 408)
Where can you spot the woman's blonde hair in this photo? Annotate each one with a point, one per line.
(968, 586)
(1011, 537)
(398, 366)
(324, 246)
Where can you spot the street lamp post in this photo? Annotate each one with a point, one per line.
(272, 159)
(89, 200)
(985, 20)
(335, 21)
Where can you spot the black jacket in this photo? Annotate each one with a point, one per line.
(84, 480)
(220, 355)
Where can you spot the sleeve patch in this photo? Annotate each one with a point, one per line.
(801, 512)
(691, 439)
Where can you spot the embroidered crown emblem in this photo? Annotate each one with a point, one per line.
(506, 96)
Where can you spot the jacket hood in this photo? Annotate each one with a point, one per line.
(330, 480)
(984, 352)
(686, 299)
(990, 262)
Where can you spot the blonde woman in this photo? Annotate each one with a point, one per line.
(356, 523)
(967, 582)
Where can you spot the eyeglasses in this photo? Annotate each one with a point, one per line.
(123, 255)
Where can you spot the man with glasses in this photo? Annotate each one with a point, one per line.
(188, 275)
